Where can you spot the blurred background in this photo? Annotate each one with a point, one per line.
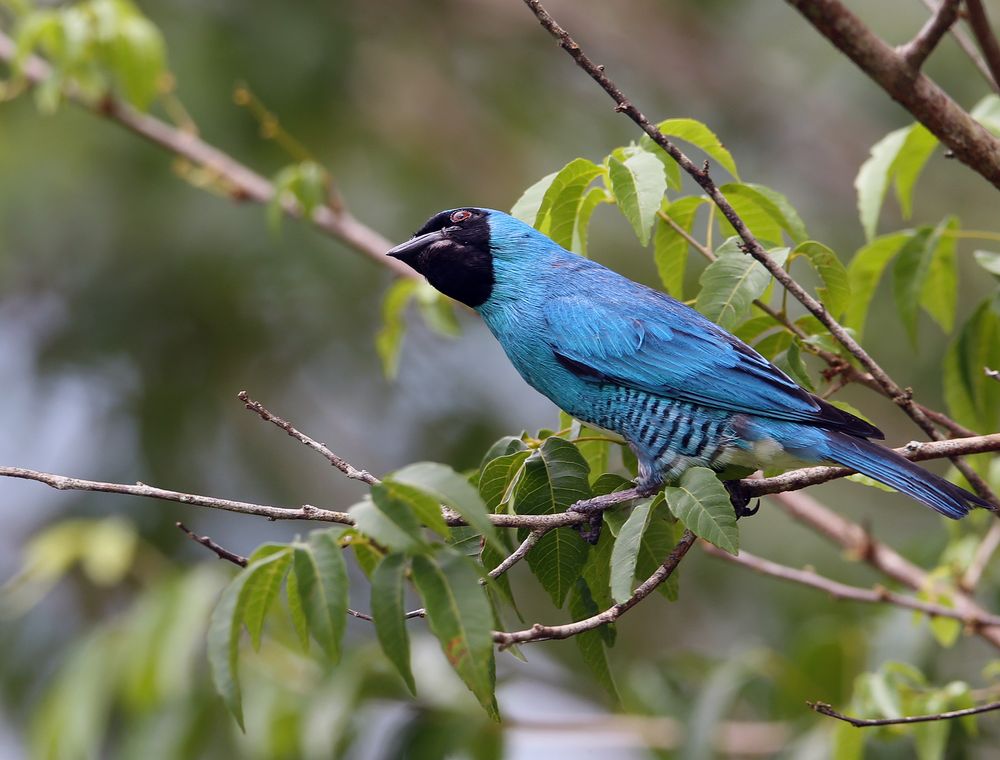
(133, 308)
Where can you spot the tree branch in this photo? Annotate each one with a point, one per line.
(341, 464)
(220, 551)
(752, 246)
(540, 632)
(243, 183)
(969, 48)
(519, 553)
(915, 51)
(979, 22)
(837, 590)
(981, 559)
(968, 140)
(824, 709)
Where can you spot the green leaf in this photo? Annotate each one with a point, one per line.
(591, 643)
(661, 536)
(939, 295)
(527, 206)
(972, 397)
(260, 589)
(497, 478)
(138, 56)
(389, 614)
(696, 133)
(389, 340)
(638, 185)
(873, 178)
(987, 113)
(437, 310)
(783, 211)
(670, 248)
(319, 591)
(563, 198)
(836, 293)
(988, 260)
(581, 230)
(626, 550)
(730, 284)
(391, 502)
(555, 477)
(451, 489)
(425, 507)
(702, 503)
(864, 273)
(223, 645)
(917, 147)
(765, 211)
(791, 362)
(459, 615)
(910, 276)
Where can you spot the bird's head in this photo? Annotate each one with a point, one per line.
(452, 250)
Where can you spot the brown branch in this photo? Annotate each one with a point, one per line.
(969, 48)
(341, 464)
(981, 558)
(968, 140)
(243, 183)
(520, 552)
(979, 22)
(860, 544)
(752, 246)
(843, 591)
(220, 551)
(824, 709)
(915, 51)
(540, 632)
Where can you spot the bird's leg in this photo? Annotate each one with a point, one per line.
(740, 499)
(593, 509)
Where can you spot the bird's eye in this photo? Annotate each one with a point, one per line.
(460, 216)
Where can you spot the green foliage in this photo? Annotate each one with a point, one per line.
(973, 398)
(730, 284)
(702, 503)
(638, 184)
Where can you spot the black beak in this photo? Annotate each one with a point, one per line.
(414, 245)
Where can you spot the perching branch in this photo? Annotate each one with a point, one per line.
(979, 22)
(208, 543)
(824, 709)
(752, 246)
(969, 48)
(519, 553)
(915, 51)
(837, 590)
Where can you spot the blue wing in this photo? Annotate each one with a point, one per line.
(640, 338)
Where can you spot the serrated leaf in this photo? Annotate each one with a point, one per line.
(555, 477)
(591, 643)
(263, 582)
(864, 273)
(939, 294)
(626, 550)
(389, 340)
(223, 642)
(670, 248)
(988, 260)
(426, 508)
(320, 592)
(909, 275)
(526, 207)
(638, 185)
(699, 135)
(562, 200)
(497, 478)
(389, 614)
(702, 503)
(836, 293)
(459, 615)
(453, 490)
(873, 178)
(917, 147)
(730, 284)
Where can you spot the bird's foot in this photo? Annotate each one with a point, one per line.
(593, 509)
(590, 528)
(740, 499)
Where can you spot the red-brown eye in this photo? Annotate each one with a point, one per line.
(460, 216)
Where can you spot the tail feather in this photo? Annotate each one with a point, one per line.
(886, 466)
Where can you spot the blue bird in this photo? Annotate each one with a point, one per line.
(617, 355)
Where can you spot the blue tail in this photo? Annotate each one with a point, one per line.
(886, 466)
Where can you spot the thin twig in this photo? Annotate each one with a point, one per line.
(519, 553)
(824, 709)
(220, 551)
(969, 48)
(915, 51)
(837, 590)
(341, 464)
(243, 183)
(904, 398)
(540, 632)
(979, 22)
(981, 558)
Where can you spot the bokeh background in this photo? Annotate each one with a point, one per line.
(134, 306)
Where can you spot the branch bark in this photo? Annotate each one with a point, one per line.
(915, 51)
(979, 22)
(824, 709)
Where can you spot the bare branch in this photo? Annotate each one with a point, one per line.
(968, 140)
(341, 464)
(979, 22)
(519, 553)
(540, 632)
(824, 709)
(990, 149)
(837, 590)
(208, 543)
(242, 182)
(969, 48)
(981, 558)
(915, 51)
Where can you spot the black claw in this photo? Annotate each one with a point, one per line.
(590, 530)
(740, 499)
